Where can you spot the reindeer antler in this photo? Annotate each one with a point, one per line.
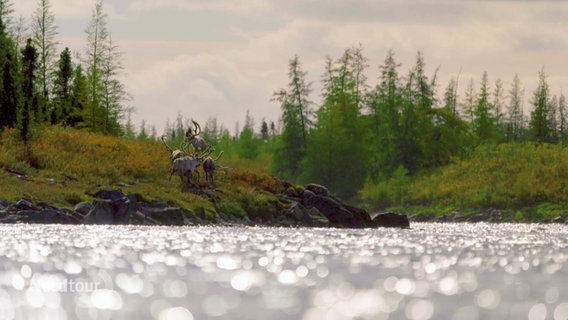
(197, 127)
(203, 155)
(163, 138)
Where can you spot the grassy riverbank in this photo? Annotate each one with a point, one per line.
(66, 166)
(527, 180)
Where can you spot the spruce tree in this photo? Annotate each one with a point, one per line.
(539, 126)
(62, 85)
(337, 154)
(29, 108)
(296, 119)
(10, 79)
(515, 118)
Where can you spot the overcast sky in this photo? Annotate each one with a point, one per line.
(220, 58)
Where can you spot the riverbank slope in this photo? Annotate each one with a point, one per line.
(70, 176)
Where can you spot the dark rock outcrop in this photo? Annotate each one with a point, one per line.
(312, 206)
(391, 219)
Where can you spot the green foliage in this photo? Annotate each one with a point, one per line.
(10, 79)
(248, 147)
(336, 154)
(296, 118)
(541, 127)
(82, 162)
(230, 206)
(511, 176)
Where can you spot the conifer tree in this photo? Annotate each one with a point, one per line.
(337, 154)
(79, 98)
(515, 122)
(10, 79)
(539, 126)
(62, 85)
(384, 113)
(248, 144)
(296, 118)
(562, 119)
(29, 108)
(450, 97)
(97, 39)
(484, 123)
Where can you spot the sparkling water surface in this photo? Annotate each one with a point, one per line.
(452, 271)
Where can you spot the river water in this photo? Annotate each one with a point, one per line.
(455, 271)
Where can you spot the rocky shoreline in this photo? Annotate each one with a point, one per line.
(312, 206)
(488, 215)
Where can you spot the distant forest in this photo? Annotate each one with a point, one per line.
(357, 134)
(39, 85)
(400, 126)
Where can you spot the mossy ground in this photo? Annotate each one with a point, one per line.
(65, 166)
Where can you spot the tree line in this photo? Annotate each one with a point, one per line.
(39, 85)
(400, 126)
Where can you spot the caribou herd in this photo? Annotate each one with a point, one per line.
(185, 163)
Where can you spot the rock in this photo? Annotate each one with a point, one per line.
(168, 216)
(109, 194)
(157, 204)
(23, 204)
(100, 213)
(318, 189)
(391, 219)
(561, 218)
(36, 216)
(307, 194)
(51, 181)
(331, 209)
(318, 219)
(124, 209)
(4, 204)
(45, 205)
(360, 216)
(67, 216)
(297, 213)
(83, 207)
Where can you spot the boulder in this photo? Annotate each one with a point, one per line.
(124, 209)
(318, 189)
(391, 219)
(317, 218)
(168, 216)
(331, 209)
(35, 216)
(23, 204)
(361, 216)
(119, 211)
(297, 213)
(101, 213)
(83, 207)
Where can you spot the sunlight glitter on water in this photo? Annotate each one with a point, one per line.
(431, 271)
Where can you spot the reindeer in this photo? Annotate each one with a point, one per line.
(209, 168)
(186, 166)
(191, 137)
(174, 154)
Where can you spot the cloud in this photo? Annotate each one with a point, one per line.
(221, 57)
(241, 7)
